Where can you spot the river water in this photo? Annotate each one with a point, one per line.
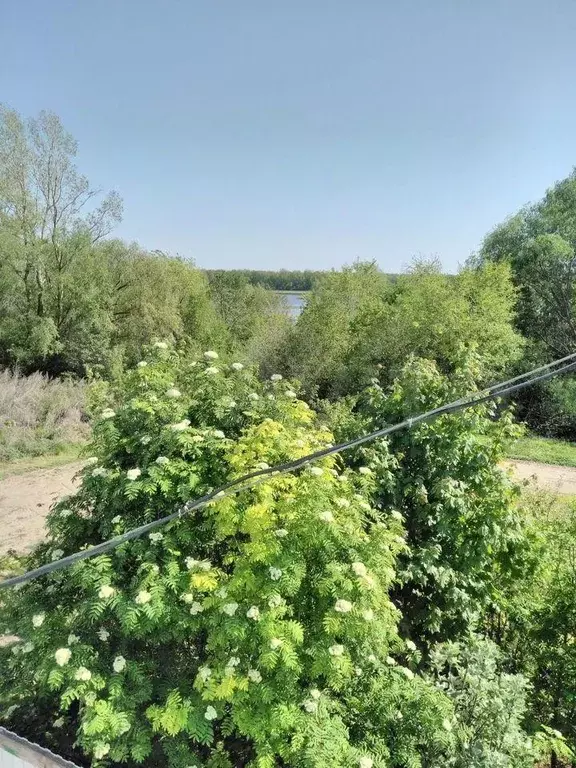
(294, 301)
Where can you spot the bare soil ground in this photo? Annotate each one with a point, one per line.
(25, 499)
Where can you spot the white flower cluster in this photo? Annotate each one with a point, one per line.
(236, 366)
(253, 613)
(275, 573)
(107, 413)
(143, 597)
(119, 664)
(62, 656)
(155, 537)
(229, 609)
(211, 355)
(106, 591)
(133, 474)
(343, 606)
(181, 425)
(174, 393)
(201, 565)
(38, 620)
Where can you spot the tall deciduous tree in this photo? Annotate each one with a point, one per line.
(48, 222)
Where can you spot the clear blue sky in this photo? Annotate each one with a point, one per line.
(304, 133)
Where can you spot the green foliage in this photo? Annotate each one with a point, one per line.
(489, 707)
(464, 535)
(536, 624)
(257, 631)
(357, 323)
(544, 450)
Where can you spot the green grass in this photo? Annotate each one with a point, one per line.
(66, 455)
(545, 450)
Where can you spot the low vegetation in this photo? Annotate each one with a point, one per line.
(545, 450)
(40, 416)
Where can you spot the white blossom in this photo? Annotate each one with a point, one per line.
(133, 474)
(107, 413)
(99, 472)
(103, 634)
(406, 672)
(280, 533)
(275, 643)
(364, 505)
(180, 426)
(173, 392)
(27, 647)
(101, 749)
(390, 661)
(326, 517)
(336, 650)
(38, 619)
(399, 539)
(218, 432)
(204, 673)
(116, 520)
(310, 705)
(119, 664)
(343, 606)
(142, 364)
(275, 601)
(236, 366)
(191, 563)
(396, 515)
(73, 639)
(222, 592)
(197, 438)
(290, 393)
(155, 537)
(254, 396)
(366, 762)
(410, 645)
(358, 671)
(254, 675)
(446, 724)
(187, 597)
(365, 470)
(233, 661)
(317, 471)
(58, 723)
(253, 613)
(315, 693)
(143, 597)
(83, 674)
(368, 615)
(262, 465)
(212, 371)
(211, 355)
(204, 565)
(64, 513)
(62, 656)
(275, 573)
(196, 608)
(57, 554)
(210, 713)
(359, 569)
(91, 461)
(276, 377)
(162, 460)
(145, 439)
(229, 609)
(344, 503)
(106, 591)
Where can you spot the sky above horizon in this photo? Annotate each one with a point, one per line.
(299, 135)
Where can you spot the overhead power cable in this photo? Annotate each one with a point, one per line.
(500, 389)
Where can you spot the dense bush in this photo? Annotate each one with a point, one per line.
(357, 322)
(39, 415)
(536, 624)
(465, 534)
(257, 631)
(490, 706)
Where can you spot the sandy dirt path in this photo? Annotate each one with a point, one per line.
(26, 499)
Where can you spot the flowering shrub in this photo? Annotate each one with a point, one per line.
(256, 631)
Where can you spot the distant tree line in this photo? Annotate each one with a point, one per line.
(274, 280)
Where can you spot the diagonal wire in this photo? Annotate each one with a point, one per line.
(249, 480)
